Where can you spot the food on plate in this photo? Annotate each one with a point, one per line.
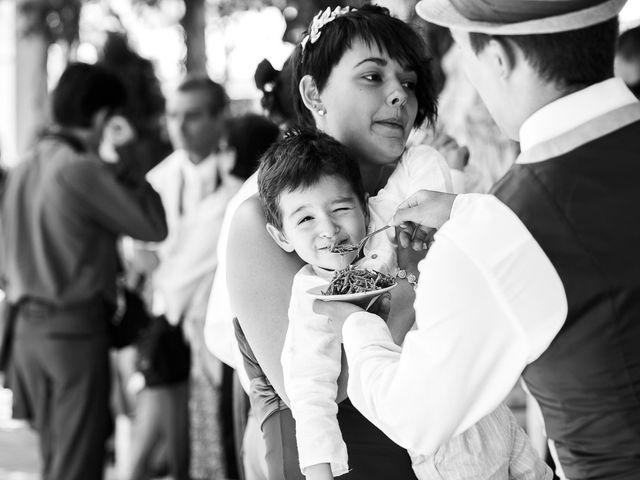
(358, 280)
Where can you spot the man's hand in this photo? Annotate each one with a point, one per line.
(338, 312)
(421, 214)
(117, 132)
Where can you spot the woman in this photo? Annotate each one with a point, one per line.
(364, 78)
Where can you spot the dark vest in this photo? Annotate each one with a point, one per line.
(583, 208)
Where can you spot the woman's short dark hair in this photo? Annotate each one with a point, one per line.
(576, 58)
(82, 91)
(374, 26)
(301, 159)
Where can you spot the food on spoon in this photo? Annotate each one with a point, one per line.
(343, 248)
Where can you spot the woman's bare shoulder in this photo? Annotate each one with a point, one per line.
(249, 215)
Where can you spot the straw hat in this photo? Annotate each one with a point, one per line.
(518, 17)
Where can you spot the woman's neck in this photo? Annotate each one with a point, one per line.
(374, 177)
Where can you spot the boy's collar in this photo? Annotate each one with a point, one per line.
(323, 272)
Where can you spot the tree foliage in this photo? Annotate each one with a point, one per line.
(56, 20)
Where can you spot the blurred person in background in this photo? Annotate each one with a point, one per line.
(63, 210)
(277, 94)
(627, 60)
(195, 184)
(224, 338)
(248, 137)
(146, 104)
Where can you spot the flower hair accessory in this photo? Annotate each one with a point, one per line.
(320, 20)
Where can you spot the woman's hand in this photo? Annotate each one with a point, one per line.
(457, 156)
(421, 214)
(338, 312)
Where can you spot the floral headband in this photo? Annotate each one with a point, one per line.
(320, 20)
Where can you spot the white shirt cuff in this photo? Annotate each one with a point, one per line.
(363, 328)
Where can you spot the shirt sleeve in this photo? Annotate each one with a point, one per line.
(421, 168)
(488, 303)
(458, 182)
(137, 213)
(311, 361)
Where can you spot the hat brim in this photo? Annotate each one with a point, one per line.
(442, 12)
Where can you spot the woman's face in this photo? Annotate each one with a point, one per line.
(370, 103)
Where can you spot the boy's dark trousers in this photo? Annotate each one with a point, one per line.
(60, 377)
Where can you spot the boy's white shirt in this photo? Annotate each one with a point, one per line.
(311, 357)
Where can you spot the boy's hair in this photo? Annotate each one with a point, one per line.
(301, 159)
(218, 99)
(572, 59)
(375, 27)
(82, 91)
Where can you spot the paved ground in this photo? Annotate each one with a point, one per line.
(19, 459)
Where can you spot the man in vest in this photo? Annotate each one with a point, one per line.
(540, 279)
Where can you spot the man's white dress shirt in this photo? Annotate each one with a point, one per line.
(195, 197)
(488, 303)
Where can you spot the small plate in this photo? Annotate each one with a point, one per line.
(316, 292)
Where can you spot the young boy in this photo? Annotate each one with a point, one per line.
(312, 195)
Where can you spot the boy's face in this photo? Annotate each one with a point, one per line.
(315, 218)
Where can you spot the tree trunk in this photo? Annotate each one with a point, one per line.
(32, 46)
(193, 24)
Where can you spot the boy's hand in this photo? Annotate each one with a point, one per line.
(338, 312)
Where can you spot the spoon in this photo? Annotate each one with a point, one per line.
(348, 248)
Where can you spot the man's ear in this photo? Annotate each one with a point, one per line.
(279, 238)
(501, 56)
(310, 94)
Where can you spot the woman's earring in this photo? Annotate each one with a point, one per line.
(321, 111)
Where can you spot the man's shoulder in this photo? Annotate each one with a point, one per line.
(58, 161)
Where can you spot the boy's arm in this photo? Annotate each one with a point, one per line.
(311, 361)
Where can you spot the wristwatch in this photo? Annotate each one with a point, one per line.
(410, 277)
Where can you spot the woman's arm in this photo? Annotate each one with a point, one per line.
(259, 277)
